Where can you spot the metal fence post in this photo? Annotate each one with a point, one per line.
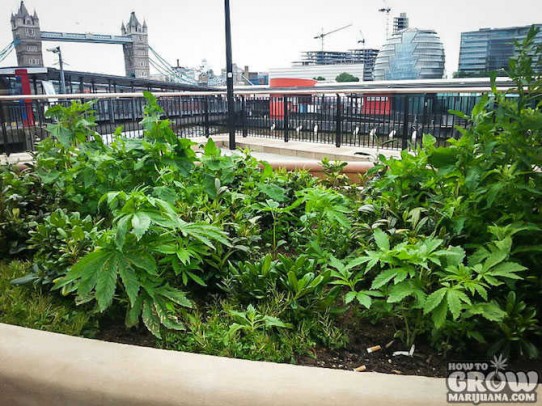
(338, 122)
(285, 106)
(206, 116)
(404, 138)
(229, 77)
(244, 116)
(4, 129)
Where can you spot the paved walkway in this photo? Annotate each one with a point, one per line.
(275, 150)
(303, 149)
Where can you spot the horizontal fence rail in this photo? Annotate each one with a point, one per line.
(379, 118)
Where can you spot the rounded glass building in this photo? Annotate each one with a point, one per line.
(410, 54)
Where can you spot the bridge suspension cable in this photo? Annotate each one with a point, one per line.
(159, 68)
(160, 64)
(7, 50)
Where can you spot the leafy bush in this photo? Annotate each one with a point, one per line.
(22, 202)
(462, 225)
(58, 241)
(29, 306)
(222, 255)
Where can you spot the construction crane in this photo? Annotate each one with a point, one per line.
(323, 34)
(361, 39)
(387, 10)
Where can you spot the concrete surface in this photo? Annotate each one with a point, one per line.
(40, 368)
(303, 149)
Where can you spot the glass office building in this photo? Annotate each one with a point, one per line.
(411, 54)
(489, 50)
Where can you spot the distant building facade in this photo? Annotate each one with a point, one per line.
(27, 37)
(362, 56)
(489, 50)
(327, 73)
(400, 23)
(411, 54)
(136, 53)
(255, 78)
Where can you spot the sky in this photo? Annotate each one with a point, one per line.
(265, 33)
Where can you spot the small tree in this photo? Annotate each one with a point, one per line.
(319, 78)
(346, 77)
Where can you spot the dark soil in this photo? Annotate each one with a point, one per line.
(423, 362)
(116, 332)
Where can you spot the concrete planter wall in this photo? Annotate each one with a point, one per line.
(40, 368)
(353, 169)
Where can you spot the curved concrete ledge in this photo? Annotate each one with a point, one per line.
(353, 169)
(40, 368)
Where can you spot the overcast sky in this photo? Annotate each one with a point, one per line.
(266, 33)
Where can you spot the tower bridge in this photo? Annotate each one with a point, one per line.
(28, 38)
(89, 38)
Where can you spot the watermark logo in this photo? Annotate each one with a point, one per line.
(490, 382)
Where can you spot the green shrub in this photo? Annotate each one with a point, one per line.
(220, 254)
(23, 201)
(462, 226)
(29, 306)
(59, 240)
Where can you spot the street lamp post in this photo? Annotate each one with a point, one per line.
(57, 50)
(229, 78)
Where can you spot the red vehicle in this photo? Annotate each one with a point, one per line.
(276, 104)
(376, 104)
(26, 105)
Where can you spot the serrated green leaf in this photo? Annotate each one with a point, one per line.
(364, 299)
(455, 298)
(399, 292)
(434, 300)
(130, 282)
(90, 263)
(494, 259)
(106, 282)
(349, 297)
(142, 260)
(169, 248)
(383, 278)
(271, 321)
(140, 224)
(490, 311)
(196, 278)
(150, 319)
(439, 314)
(173, 324)
(508, 270)
(122, 229)
(382, 240)
(133, 313)
(275, 192)
(176, 296)
(454, 255)
(210, 149)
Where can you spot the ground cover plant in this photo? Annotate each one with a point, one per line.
(222, 255)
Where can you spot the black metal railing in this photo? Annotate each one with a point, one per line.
(377, 121)
(374, 119)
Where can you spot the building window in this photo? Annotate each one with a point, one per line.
(30, 32)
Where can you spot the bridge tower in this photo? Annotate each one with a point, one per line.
(136, 54)
(27, 37)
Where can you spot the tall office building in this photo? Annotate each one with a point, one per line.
(400, 23)
(411, 54)
(489, 50)
(364, 56)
